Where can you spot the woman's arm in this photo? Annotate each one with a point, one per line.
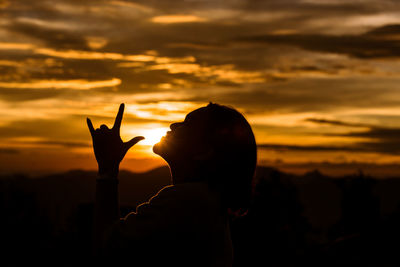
(109, 150)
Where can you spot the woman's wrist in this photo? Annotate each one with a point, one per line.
(107, 177)
(110, 172)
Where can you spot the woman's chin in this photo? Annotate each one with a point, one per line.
(164, 148)
(158, 148)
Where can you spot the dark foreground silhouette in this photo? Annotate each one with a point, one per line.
(308, 220)
(212, 158)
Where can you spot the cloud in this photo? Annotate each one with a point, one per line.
(20, 95)
(177, 19)
(297, 62)
(15, 46)
(56, 84)
(274, 5)
(377, 138)
(52, 129)
(68, 144)
(309, 95)
(385, 135)
(59, 38)
(221, 72)
(90, 55)
(378, 43)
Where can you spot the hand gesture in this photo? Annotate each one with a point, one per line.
(108, 146)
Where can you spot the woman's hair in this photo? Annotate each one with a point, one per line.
(235, 156)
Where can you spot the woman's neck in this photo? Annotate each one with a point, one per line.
(185, 173)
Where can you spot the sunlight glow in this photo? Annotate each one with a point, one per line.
(153, 136)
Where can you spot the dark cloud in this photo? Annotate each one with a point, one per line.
(171, 6)
(209, 42)
(383, 145)
(297, 95)
(312, 148)
(60, 39)
(42, 9)
(308, 95)
(387, 31)
(53, 129)
(9, 151)
(378, 139)
(383, 134)
(19, 95)
(313, 7)
(378, 43)
(337, 122)
(130, 38)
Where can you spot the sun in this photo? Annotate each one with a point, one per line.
(153, 136)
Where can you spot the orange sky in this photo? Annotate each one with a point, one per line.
(318, 80)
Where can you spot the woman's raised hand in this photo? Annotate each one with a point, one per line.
(108, 146)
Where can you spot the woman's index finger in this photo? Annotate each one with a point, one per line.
(118, 119)
(90, 126)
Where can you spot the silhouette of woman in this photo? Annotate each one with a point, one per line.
(212, 157)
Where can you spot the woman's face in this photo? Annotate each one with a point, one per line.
(186, 140)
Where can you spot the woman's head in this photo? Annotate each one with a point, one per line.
(214, 144)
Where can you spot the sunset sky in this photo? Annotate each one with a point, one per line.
(318, 80)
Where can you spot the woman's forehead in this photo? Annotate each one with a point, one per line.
(200, 113)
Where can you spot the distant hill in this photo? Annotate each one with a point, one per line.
(58, 196)
(319, 195)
